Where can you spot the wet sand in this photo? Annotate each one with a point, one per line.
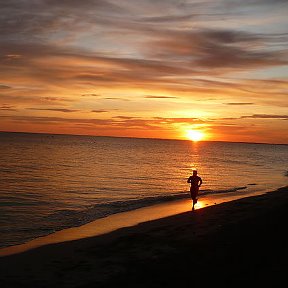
(233, 244)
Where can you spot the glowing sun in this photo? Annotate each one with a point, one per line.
(195, 135)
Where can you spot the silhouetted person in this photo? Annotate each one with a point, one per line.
(196, 182)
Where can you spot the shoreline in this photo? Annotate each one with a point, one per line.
(124, 219)
(235, 241)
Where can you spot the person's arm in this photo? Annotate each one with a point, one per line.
(189, 180)
(200, 182)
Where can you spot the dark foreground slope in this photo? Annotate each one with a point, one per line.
(237, 244)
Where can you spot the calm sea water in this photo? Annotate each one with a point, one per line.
(51, 182)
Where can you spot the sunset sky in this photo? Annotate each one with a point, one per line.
(146, 68)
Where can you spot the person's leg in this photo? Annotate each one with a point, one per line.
(192, 198)
(195, 194)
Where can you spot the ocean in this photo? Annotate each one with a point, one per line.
(52, 182)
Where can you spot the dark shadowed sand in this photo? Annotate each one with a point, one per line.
(242, 243)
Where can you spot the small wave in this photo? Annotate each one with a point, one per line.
(105, 209)
(67, 218)
(63, 219)
(234, 189)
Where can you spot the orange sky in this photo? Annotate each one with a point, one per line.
(146, 68)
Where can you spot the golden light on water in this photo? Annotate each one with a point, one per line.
(195, 135)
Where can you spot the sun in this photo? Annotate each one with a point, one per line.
(195, 135)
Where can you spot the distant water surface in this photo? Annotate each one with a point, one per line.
(52, 182)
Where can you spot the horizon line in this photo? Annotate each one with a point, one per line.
(148, 138)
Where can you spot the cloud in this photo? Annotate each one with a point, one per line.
(49, 64)
(265, 116)
(206, 48)
(47, 16)
(116, 98)
(99, 111)
(6, 107)
(159, 97)
(117, 121)
(261, 2)
(125, 117)
(55, 120)
(179, 120)
(239, 103)
(254, 116)
(167, 18)
(35, 99)
(173, 52)
(65, 110)
(91, 95)
(52, 99)
(4, 87)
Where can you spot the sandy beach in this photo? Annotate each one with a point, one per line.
(236, 243)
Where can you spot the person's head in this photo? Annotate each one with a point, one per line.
(194, 172)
